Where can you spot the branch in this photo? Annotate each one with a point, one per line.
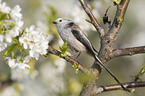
(88, 89)
(118, 19)
(127, 51)
(92, 18)
(72, 62)
(107, 42)
(117, 87)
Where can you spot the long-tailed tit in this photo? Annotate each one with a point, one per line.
(77, 41)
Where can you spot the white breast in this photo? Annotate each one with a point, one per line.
(73, 43)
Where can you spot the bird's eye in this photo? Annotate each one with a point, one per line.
(60, 20)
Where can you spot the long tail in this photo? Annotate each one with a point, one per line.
(101, 63)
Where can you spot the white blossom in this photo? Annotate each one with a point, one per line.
(13, 63)
(22, 65)
(14, 20)
(27, 59)
(3, 45)
(34, 40)
(4, 8)
(15, 13)
(15, 31)
(1, 38)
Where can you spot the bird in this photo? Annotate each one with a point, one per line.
(77, 41)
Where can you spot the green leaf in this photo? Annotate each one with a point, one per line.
(22, 32)
(2, 16)
(133, 91)
(12, 25)
(67, 53)
(119, 19)
(21, 48)
(142, 71)
(76, 67)
(9, 49)
(64, 52)
(64, 48)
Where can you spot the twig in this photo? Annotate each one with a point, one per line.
(92, 18)
(118, 19)
(107, 40)
(117, 86)
(107, 43)
(68, 59)
(127, 51)
(106, 19)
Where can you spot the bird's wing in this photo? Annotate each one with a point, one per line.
(83, 39)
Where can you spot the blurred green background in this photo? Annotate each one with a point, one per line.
(50, 76)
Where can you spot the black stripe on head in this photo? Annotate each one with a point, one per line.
(69, 25)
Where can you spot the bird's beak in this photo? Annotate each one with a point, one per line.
(54, 22)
